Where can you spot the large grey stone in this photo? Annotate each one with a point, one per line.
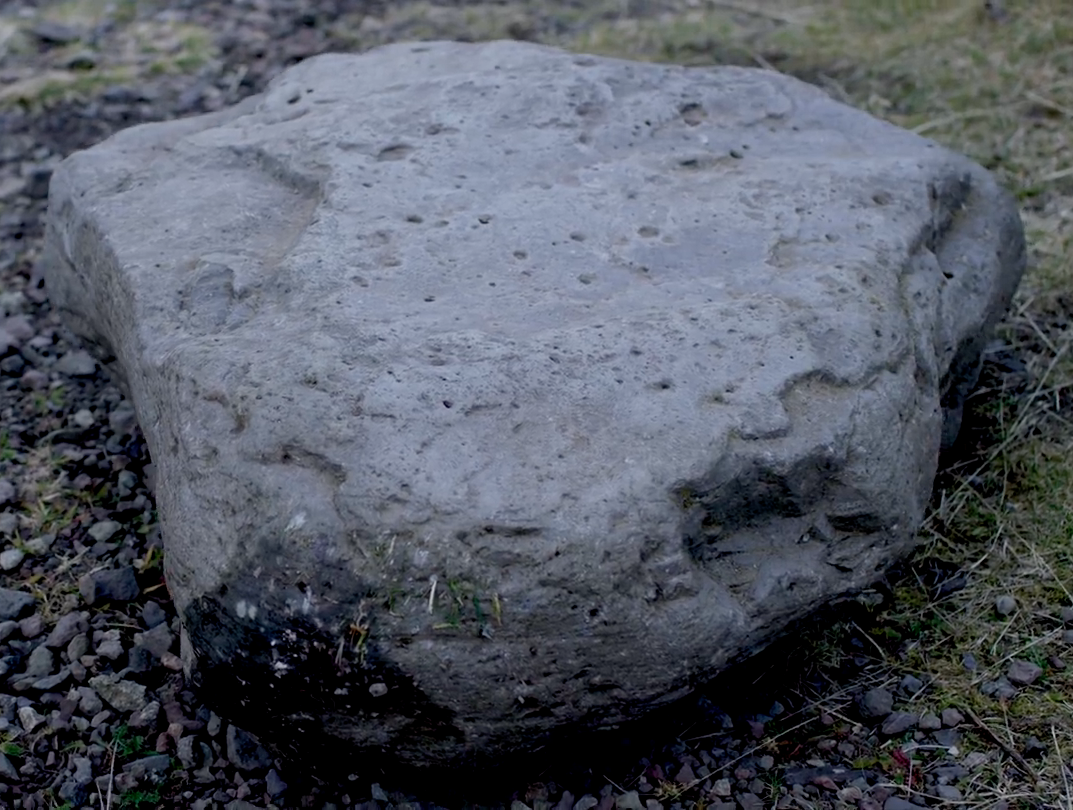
(494, 390)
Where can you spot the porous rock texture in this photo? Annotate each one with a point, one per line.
(496, 391)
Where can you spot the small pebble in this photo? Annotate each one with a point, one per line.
(952, 718)
(849, 794)
(1005, 605)
(104, 530)
(721, 787)
(29, 718)
(930, 722)
(83, 418)
(11, 558)
(1023, 673)
(76, 364)
(40, 545)
(898, 722)
(910, 685)
(32, 626)
(876, 703)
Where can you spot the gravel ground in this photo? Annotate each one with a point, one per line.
(94, 708)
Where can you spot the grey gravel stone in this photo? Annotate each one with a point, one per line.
(155, 763)
(898, 803)
(147, 717)
(7, 492)
(158, 640)
(104, 530)
(629, 801)
(75, 788)
(9, 523)
(186, 752)
(999, 688)
(910, 685)
(100, 718)
(14, 604)
(1023, 673)
(54, 33)
(11, 558)
(899, 723)
(78, 647)
(7, 628)
(69, 626)
(948, 793)
(41, 544)
(109, 585)
(32, 626)
(876, 703)
(109, 644)
(40, 662)
(948, 737)
(952, 718)
(275, 786)
(89, 702)
(244, 751)
(153, 614)
(51, 682)
(123, 695)
(586, 802)
(929, 721)
(1005, 605)
(7, 770)
(29, 718)
(76, 364)
(83, 418)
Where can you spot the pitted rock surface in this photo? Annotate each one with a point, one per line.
(465, 368)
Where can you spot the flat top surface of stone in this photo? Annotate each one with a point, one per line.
(477, 234)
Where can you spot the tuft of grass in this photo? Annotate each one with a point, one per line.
(127, 744)
(150, 797)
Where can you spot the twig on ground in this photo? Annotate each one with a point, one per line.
(1005, 746)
